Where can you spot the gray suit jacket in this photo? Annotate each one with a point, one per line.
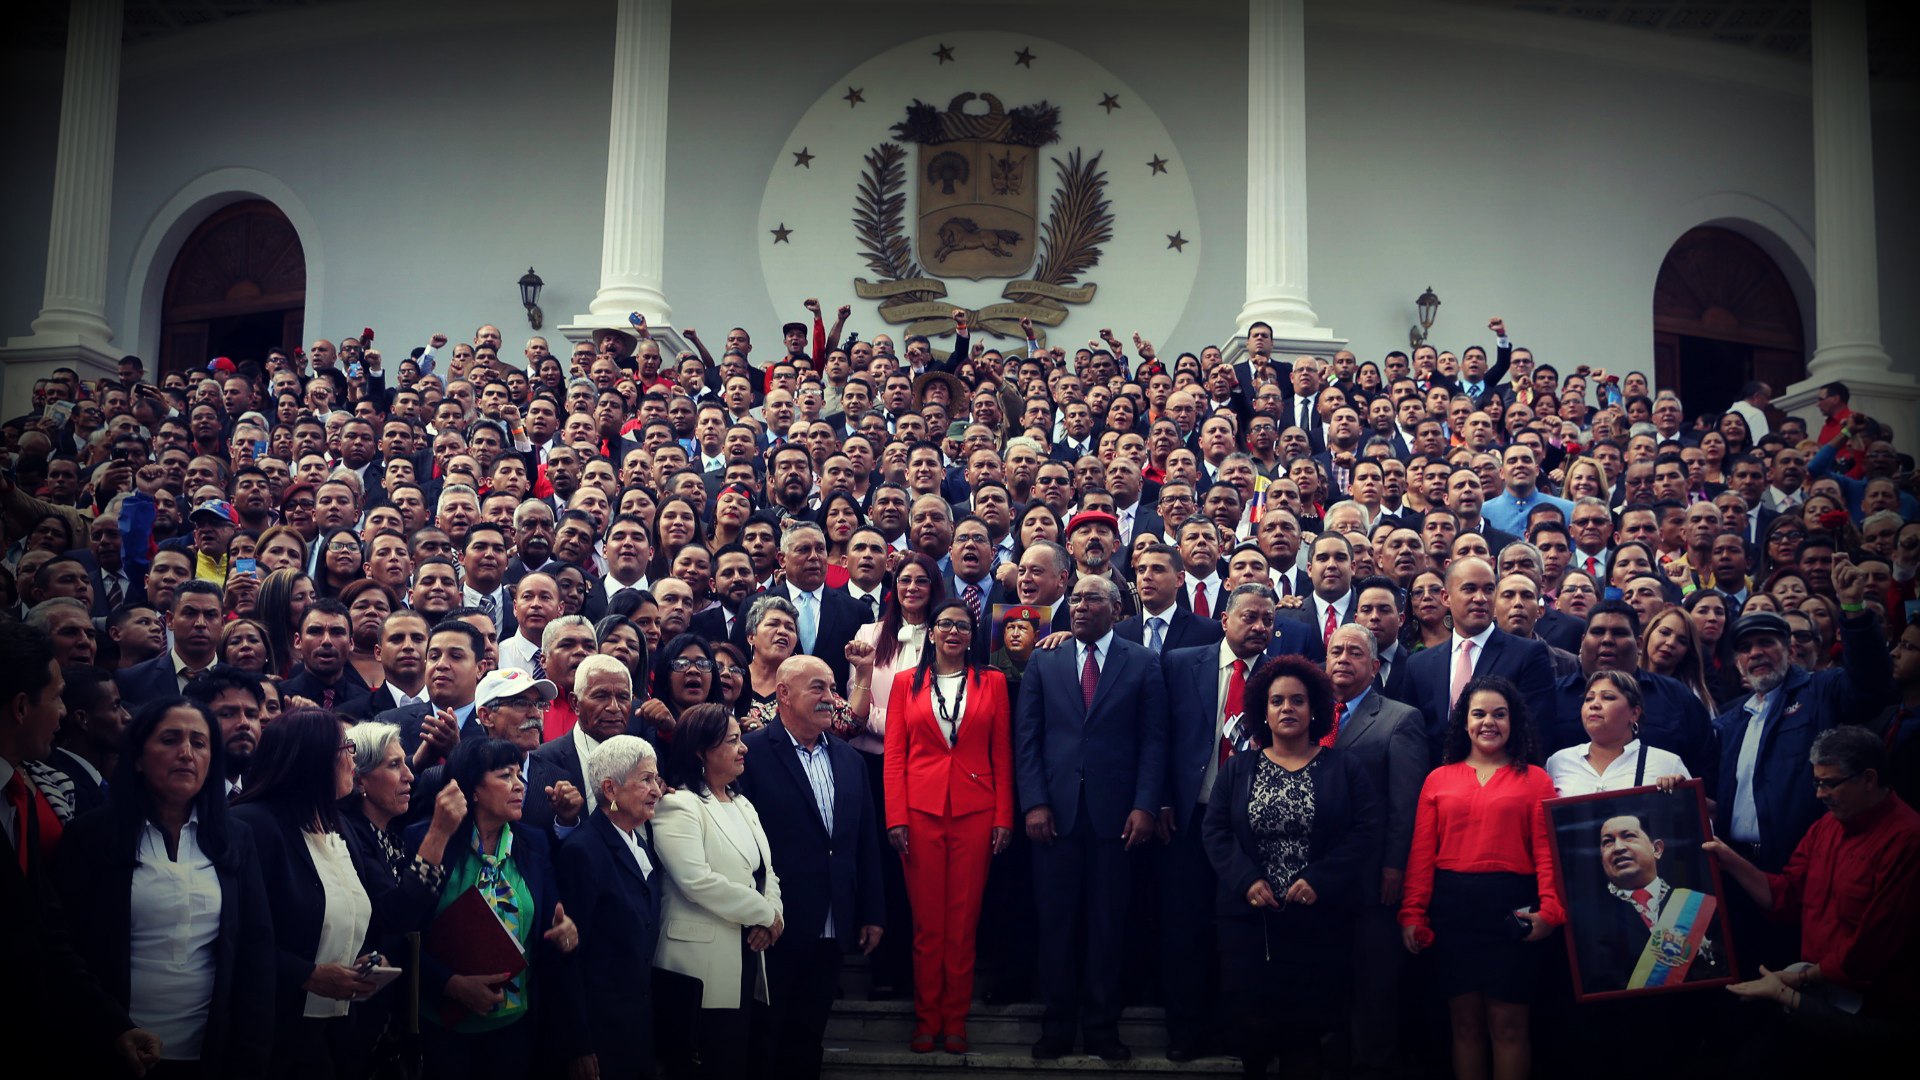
(1390, 742)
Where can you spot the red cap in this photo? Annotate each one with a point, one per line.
(1093, 517)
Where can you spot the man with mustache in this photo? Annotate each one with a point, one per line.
(1765, 800)
(1210, 681)
(1635, 940)
(818, 812)
(325, 678)
(236, 700)
(1092, 538)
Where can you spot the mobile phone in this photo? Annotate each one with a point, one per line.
(245, 566)
(353, 370)
(259, 448)
(636, 318)
(1518, 927)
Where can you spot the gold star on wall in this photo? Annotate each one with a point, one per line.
(1177, 242)
(780, 234)
(1109, 102)
(1158, 165)
(854, 96)
(1024, 58)
(944, 53)
(802, 158)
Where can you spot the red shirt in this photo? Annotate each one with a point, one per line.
(1855, 888)
(1473, 828)
(560, 717)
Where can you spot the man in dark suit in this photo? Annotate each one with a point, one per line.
(429, 731)
(1164, 625)
(1390, 743)
(196, 630)
(1330, 569)
(810, 789)
(49, 988)
(1380, 606)
(326, 678)
(1209, 681)
(828, 617)
(1477, 649)
(1090, 749)
(1259, 366)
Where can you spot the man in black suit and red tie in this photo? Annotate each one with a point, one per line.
(1200, 588)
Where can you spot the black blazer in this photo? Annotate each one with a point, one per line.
(96, 890)
(299, 903)
(554, 982)
(841, 616)
(408, 717)
(349, 689)
(1560, 630)
(1345, 836)
(148, 680)
(1193, 730)
(618, 913)
(817, 870)
(1523, 661)
(1184, 630)
(61, 995)
(553, 761)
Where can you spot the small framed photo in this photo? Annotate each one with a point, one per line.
(1645, 911)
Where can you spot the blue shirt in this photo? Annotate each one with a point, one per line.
(1346, 714)
(1509, 514)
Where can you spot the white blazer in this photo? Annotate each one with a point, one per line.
(710, 895)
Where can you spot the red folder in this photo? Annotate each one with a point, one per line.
(468, 938)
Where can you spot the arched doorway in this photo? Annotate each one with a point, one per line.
(238, 288)
(1723, 314)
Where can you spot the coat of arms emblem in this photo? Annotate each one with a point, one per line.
(976, 182)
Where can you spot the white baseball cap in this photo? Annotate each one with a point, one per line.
(511, 683)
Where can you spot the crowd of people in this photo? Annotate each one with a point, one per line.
(463, 715)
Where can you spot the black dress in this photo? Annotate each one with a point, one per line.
(1320, 823)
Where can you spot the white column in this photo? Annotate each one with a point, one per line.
(1846, 278)
(632, 247)
(72, 328)
(1277, 172)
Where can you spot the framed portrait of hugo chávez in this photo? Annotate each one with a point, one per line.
(1645, 910)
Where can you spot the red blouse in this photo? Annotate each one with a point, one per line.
(1473, 828)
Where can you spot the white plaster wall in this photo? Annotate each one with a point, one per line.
(439, 157)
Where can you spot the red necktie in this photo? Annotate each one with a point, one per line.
(1089, 677)
(32, 814)
(1200, 599)
(1236, 705)
(1593, 568)
(1333, 620)
(326, 698)
(1331, 737)
(1641, 899)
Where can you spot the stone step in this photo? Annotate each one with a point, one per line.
(891, 1024)
(867, 1061)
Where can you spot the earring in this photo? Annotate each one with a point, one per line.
(613, 805)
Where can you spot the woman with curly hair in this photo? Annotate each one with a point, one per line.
(839, 515)
(1289, 829)
(1480, 883)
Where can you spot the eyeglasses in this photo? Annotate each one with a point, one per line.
(724, 670)
(690, 663)
(1079, 599)
(949, 625)
(1822, 784)
(534, 705)
(1176, 500)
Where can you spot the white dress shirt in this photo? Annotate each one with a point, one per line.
(1224, 726)
(348, 912)
(612, 585)
(175, 920)
(1573, 773)
(517, 652)
(584, 744)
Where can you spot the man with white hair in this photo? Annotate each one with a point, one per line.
(607, 882)
(564, 643)
(603, 696)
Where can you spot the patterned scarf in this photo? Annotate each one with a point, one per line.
(497, 891)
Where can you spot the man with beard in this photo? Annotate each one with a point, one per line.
(402, 650)
(1626, 946)
(733, 579)
(1764, 799)
(196, 624)
(253, 498)
(1671, 717)
(138, 634)
(436, 588)
(790, 480)
(1209, 681)
(1092, 538)
(326, 678)
(536, 602)
(236, 701)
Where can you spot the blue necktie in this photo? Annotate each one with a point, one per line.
(1158, 625)
(809, 622)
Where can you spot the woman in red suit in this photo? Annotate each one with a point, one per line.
(949, 794)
